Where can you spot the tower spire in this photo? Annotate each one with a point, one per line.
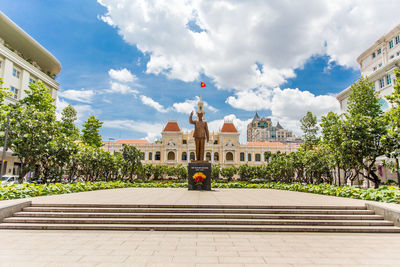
(200, 105)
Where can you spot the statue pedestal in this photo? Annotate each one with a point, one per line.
(200, 170)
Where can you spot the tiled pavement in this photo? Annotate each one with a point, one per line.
(103, 248)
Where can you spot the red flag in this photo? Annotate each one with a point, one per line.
(202, 84)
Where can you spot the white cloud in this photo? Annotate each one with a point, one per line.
(251, 47)
(122, 75)
(120, 88)
(83, 111)
(248, 44)
(152, 130)
(84, 96)
(154, 104)
(241, 126)
(190, 105)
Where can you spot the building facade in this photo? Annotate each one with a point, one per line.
(378, 63)
(260, 129)
(178, 147)
(23, 61)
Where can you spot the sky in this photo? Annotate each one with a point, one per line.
(135, 64)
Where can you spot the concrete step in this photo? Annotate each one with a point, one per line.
(227, 228)
(199, 210)
(257, 218)
(191, 206)
(197, 221)
(195, 216)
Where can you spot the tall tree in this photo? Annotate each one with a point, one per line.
(363, 129)
(90, 132)
(392, 138)
(68, 118)
(310, 128)
(132, 160)
(32, 126)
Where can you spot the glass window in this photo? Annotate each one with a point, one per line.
(388, 79)
(150, 156)
(391, 44)
(14, 91)
(32, 81)
(379, 51)
(216, 156)
(258, 157)
(184, 156)
(184, 142)
(16, 73)
(157, 156)
(241, 156)
(249, 157)
(382, 83)
(397, 39)
(373, 55)
(374, 68)
(192, 156)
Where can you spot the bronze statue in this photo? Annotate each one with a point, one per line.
(200, 134)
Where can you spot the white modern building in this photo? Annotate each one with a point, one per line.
(23, 61)
(378, 63)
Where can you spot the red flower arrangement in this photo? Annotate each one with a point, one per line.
(199, 177)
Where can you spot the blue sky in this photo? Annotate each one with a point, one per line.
(137, 66)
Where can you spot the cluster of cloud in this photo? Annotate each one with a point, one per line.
(151, 130)
(250, 47)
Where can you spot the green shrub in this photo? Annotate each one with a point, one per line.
(387, 194)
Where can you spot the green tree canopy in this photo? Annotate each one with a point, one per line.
(90, 132)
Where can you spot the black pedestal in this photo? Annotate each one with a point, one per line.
(199, 169)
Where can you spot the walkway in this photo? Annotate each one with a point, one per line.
(102, 248)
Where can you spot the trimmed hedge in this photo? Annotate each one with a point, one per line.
(387, 194)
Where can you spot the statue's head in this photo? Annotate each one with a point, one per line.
(200, 115)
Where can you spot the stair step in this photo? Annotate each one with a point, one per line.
(197, 221)
(78, 205)
(194, 216)
(198, 210)
(177, 227)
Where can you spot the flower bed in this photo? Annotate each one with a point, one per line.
(384, 194)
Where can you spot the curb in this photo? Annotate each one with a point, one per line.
(389, 213)
(10, 209)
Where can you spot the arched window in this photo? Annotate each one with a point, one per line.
(184, 156)
(192, 156)
(208, 156)
(258, 157)
(249, 157)
(157, 156)
(216, 156)
(171, 155)
(241, 156)
(229, 156)
(150, 156)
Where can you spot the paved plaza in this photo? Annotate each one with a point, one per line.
(151, 248)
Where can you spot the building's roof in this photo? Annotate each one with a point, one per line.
(172, 126)
(378, 43)
(228, 127)
(264, 144)
(13, 35)
(132, 141)
(278, 126)
(256, 117)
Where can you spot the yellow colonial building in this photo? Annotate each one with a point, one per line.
(178, 147)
